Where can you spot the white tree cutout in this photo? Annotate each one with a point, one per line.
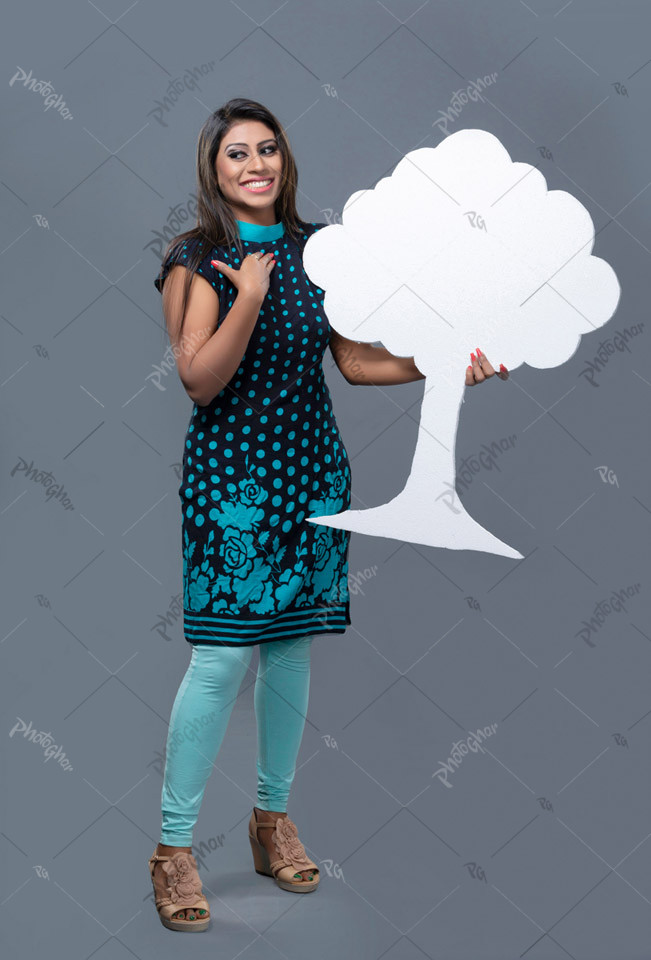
(459, 247)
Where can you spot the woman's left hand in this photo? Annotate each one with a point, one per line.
(482, 368)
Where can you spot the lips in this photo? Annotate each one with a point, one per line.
(245, 186)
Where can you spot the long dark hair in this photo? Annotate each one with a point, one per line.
(215, 220)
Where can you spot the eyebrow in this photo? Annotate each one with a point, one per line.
(260, 142)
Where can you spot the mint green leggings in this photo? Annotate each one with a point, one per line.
(200, 716)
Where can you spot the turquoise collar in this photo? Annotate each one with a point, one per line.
(253, 231)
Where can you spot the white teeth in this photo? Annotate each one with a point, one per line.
(256, 184)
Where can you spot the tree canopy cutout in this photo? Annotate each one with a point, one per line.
(459, 246)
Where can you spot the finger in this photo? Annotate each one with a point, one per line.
(470, 380)
(485, 363)
(503, 372)
(476, 369)
(218, 265)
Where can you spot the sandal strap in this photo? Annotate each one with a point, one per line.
(199, 903)
(183, 884)
(277, 865)
(290, 849)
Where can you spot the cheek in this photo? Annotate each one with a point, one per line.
(227, 174)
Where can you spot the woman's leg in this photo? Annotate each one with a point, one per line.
(198, 722)
(280, 697)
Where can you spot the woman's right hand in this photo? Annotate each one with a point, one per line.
(253, 276)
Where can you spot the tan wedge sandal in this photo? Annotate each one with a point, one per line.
(291, 855)
(184, 889)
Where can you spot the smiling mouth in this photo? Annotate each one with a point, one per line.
(258, 186)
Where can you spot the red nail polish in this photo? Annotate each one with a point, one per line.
(478, 351)
(502, 367)
(472, 357)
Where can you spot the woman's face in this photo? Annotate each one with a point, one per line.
(249, 151)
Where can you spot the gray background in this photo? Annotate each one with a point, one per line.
(540, 849)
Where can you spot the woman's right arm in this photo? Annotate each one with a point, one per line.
(207, 357)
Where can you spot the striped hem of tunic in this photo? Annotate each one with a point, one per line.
(246, 631)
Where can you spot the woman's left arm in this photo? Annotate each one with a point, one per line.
(362, 363)
(365, 364)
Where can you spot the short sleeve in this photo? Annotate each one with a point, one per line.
(181, 254)
(310, 227)
(313, 227)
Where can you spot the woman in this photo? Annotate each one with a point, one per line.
(262, 453)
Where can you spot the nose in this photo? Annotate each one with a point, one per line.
(256, 160)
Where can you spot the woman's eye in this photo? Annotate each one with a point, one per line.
(237, 153)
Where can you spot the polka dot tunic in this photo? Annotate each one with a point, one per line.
(262, 456)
